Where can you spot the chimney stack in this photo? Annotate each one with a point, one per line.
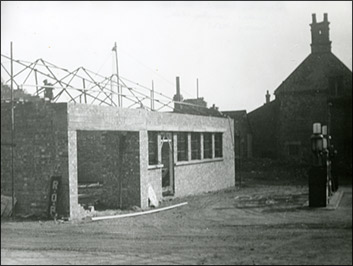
(177, 89)
(314, 18)
(177, 97)
(320, 35)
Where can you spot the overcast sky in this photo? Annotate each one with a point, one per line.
(237, 50)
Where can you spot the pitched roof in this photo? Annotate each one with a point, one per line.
(312, 73)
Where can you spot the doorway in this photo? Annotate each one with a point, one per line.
(168, 164)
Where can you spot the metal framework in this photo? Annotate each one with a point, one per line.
(84, 86)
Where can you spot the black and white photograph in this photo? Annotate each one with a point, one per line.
(176, 132)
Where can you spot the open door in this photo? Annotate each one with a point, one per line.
(168, 164)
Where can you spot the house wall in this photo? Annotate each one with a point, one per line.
(242, 133)
(41, 152)
(264, 124)
(298, 112)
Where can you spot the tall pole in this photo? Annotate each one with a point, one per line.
(12, 135)
(197, 88)
(152, 97)
(84, 90)
(36, 78)
(117, 75)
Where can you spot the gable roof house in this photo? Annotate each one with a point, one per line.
(318, 90)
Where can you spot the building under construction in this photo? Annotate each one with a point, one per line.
(120, 157)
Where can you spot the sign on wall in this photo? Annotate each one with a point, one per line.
(53, 196)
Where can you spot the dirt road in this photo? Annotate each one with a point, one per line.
(254, 225)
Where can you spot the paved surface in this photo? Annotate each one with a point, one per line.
(254, 225)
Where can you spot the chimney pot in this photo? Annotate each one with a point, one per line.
(267, 97)
(314, 18)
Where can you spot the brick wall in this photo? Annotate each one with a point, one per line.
(40, 152)
(297, 114)
(264, 126)
(341, 132)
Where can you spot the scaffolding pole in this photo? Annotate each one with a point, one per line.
(115, 49)
(12, 136)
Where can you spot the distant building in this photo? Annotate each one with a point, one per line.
(318, 90)
(17, 94)
(197, 106)
(242, 134)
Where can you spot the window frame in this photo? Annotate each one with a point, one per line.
(195, 145)
(207, 145)
(182, 146)
(218, 145)
(152, 147)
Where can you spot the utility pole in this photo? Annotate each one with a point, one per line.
(117, 74)
(12, 135)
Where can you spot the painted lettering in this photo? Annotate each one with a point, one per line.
(52, 210)
(55, 184)
(54, 197)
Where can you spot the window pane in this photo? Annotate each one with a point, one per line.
(218, 145)
(195, 146)
(207, 145)
(182, 146)
(152, 148)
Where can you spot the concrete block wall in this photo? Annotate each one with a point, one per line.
(91, 149)
(111, 158)
(131, 172)
(194, 177)
(40, 152)
(83, 117)
(118, 164)
(155, 180)
(46, 137)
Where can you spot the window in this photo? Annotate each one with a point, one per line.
(195, 146)
(207, 145)
(182, 146)
(152, 148)
(218, 145)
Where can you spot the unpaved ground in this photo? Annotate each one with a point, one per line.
(257, 224)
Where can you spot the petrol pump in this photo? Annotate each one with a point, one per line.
(319, 172)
